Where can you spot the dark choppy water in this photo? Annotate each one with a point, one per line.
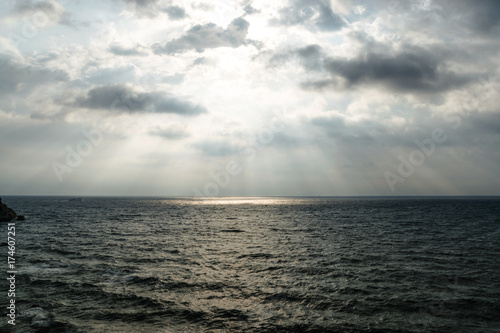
(257, 265)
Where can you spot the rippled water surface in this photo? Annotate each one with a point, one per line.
(256, 265)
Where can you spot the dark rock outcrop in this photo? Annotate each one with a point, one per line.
(6, 214)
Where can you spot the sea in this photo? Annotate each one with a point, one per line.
(263, 264)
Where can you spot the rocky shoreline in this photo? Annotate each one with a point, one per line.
(6, 213)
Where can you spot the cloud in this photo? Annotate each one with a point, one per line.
(202, 61)
(249, 10)
(475, 129)
(208, 36)
(123, 98)
(49, 11)
(319, 84)
(218, 148)
(485, 15)
(459, 17)
(411, 70)
(314, 14)
(111, 75)
(482, 17)
(485, 123)
(175, 12)
(173, 132)
(151, 8)
(18, 77)
(120, 50)
(144, 7)
(8, 48)
(310, 57)
(386, 78)
(143, 3)
(358, 133)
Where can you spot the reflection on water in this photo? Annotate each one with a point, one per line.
(246, 201)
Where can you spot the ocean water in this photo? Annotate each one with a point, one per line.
(256, 265)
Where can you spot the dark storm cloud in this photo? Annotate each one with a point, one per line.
(316, 14)
(406, 71)
(126, 51)
(175, 12)
(418, 68)
(208, 36)
(421, 66)
(19, 77)
(413, 69)
(124, 98)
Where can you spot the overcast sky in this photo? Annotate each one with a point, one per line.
(285, 97)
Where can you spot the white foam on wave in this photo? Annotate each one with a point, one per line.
(45, 269)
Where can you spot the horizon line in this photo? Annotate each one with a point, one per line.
(253, 196)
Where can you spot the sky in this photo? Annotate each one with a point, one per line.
(249, 98)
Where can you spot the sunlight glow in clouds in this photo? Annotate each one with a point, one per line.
(180, 89)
